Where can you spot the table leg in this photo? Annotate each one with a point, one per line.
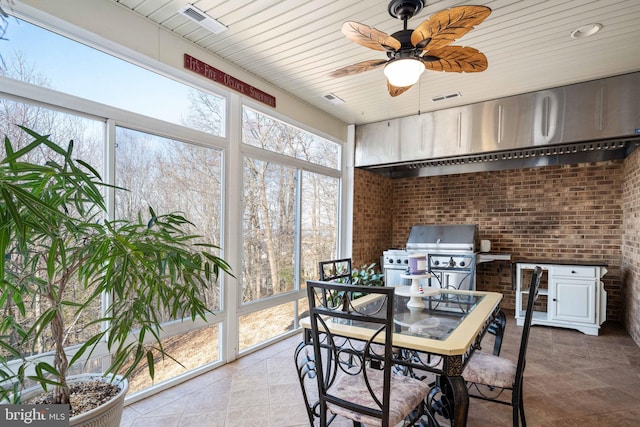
(449, 398)
(456, 390)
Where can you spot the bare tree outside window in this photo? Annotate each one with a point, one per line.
(88, 145)
(319, 218)
(206, 112)
(284, 205)
(170, 176)
(270, 134)
(268, 229)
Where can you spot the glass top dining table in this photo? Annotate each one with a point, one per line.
(447, 322)
(439, 322)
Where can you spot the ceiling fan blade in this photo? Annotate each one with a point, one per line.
(397, 90)
(455, 59)
(369, 37)
(360, 67)
(445, 26)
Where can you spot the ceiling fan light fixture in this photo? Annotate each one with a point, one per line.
(404, 71)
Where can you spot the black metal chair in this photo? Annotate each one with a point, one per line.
(488, 375)
(497, 328)
(337, 270)
(357, 382)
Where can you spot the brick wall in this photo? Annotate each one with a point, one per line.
(631, 245)
(372, 217)
(571, 213)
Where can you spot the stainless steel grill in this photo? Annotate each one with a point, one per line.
(452, 238)
(450, 251)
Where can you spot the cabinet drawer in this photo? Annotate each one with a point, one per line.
(574, 271)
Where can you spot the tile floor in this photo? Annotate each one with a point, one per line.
(571, 380)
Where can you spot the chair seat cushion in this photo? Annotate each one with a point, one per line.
(406, 394)
(491, 370)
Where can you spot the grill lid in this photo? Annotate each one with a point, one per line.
(443, 237)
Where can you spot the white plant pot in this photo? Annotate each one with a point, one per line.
(107, 415)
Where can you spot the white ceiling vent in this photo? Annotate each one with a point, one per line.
(443, 97)
(195, 14)
(333, 98)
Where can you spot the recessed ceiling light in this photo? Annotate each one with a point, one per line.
(585, 31)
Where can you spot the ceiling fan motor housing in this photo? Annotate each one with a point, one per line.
(405, 9)
(407, 49)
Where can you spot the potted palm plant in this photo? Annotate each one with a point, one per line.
(59, 255)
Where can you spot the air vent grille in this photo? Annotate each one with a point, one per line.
(194, 14)
(443, 97)
(333, 98)
(197, 15)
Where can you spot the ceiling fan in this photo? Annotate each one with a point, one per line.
(410, 52)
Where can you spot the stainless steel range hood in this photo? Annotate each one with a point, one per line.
(585, 122)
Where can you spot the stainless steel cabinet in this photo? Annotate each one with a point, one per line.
(377, 143)
(602, 108)
(442, 133)
(416, 137)
(546, 119)
(519, 121)
(452, 132)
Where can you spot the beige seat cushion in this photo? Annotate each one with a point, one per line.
(406, 394)
(492, 370)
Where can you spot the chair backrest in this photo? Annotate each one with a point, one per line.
(524, 341)
(337, 270)
(336, 356)
(452, 277)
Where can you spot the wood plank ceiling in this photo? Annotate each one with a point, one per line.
(295, 44)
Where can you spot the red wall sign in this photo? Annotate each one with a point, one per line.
(206, 70)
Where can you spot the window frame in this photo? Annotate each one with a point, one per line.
(233, 153)
(257, 153)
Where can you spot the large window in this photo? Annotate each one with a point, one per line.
(318, 225)
(39, 56)
(290, 218)
(170, 176)
(163, 173)
(269, 229)
(270, 134)
(170, 155)
(88, 143)
(173, 176)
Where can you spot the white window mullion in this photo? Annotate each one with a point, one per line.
(110, 195)
(232, 241)
(345, 208)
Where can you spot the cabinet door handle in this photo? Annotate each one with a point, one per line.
(555, 299)
(573, 272)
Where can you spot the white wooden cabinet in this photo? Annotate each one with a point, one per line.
(570, 296)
